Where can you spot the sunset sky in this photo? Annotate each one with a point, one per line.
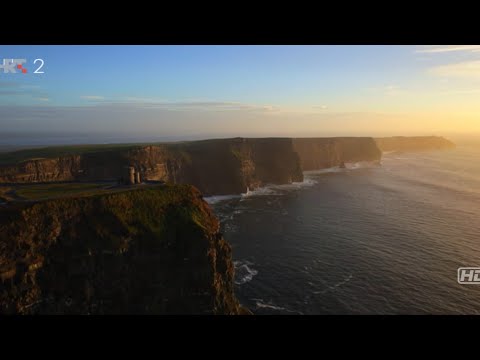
(244, 90)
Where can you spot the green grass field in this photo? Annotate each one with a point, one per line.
(58, 151)
(15, 157)
(48, 191)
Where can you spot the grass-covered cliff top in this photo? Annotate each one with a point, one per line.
(139, 206)
(59, 151)
(50, 152)
(33, 192)
(150, 250)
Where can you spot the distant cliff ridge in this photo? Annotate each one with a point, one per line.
(222, 166)
(320, 153)
(413, 143)
(144, 251)
(215, 167)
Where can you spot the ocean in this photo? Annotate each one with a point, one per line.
(363, 240)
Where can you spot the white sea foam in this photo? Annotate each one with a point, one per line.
(348, 166)
(261, 191)
(218, 198)
(260, 304)
(307, 182)
(324, 171)
(273, 189)
(361, 165)
(244, 272)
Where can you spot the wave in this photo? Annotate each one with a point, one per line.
(334, 169)
(273, 189)
(218, 198)
(362, 165)
(244, 272)
(261, 191)
(260, 304)
(348, 166)
(335, 286)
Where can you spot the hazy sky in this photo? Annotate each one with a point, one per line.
(243, 90)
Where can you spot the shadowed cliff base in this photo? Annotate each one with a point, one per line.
(154, 250)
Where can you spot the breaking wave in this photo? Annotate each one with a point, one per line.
(218, 198)
(260, 304)
(244, 272)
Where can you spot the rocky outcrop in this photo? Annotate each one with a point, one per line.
(155, 250)
(320, 153)
(413, 143)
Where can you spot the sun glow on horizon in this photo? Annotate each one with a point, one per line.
(174, 90)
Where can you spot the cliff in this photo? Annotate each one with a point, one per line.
(320, 153)
(222, 166)
(413, 143)
(155, 250)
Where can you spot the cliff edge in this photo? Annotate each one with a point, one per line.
(156, 250)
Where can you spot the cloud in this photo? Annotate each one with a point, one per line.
(108, 119)
(18, 89)
(200, 105)
(389, 90)
(12, 92)
(322, 107)
(449, 48)
(43, 98)
(92, 97)
(468, 69)
(456, 92)
(9, 85)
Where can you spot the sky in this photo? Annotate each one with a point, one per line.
(217, 91)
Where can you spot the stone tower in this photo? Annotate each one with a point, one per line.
(129, 175)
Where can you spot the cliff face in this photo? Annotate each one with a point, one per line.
(36, 170)
(155, 250)
(413, 143)
(222, 166)
(320, 153)
(232, 165)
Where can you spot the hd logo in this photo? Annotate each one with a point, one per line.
(469, 275)
(12, 66)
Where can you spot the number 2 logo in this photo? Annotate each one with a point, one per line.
(41, 65)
